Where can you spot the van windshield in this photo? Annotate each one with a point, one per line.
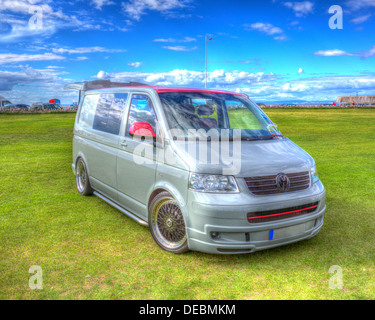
(188, 112)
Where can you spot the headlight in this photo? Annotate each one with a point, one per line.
(212, 183)
(314, 174)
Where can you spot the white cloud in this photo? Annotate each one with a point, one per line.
(180, 77)
(15, 18)
(268, 29)
(360, 4)
(102, 75)
(27, 75)
(300, 9)
(332, 53)
(23, 6)
(370, 53)
(55, 67)
(135, 9)
(85, 50)
(361, 19)
(100, 3)
(179, 48)
(82, 58)
(171, 40)
(135, 64)
(281, 37)
(367, 53)
(260, 86)
(14, 58)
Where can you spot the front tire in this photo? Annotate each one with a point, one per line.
(82, 179)
(167, 224)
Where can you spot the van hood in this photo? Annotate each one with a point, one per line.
(251, 158)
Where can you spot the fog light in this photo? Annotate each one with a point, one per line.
(215, 235)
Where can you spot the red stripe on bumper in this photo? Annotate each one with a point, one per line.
(281, 213)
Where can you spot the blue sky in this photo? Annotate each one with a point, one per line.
(273, 50)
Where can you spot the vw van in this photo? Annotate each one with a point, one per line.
(204, 170)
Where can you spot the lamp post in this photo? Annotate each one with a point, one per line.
(206, 41)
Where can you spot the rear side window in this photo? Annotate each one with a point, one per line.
(87, 115)
(109, 111)
(103, 112)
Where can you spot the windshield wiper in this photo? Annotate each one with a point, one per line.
(257, 138)
(209, 138)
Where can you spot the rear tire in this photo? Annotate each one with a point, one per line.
(167, 224)
(82, 179)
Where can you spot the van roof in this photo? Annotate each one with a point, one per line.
(168, 89)
(160, 89)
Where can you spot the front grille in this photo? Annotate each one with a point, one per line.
(271, 215)
(267, 184)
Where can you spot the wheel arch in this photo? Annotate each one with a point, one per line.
(176, 194)
(80, 155)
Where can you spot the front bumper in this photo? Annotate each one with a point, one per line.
(214, 226)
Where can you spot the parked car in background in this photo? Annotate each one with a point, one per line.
(36, 107)
(8, 107)
(51, 106)
(15, 107)
(73, 106)
(24, 107)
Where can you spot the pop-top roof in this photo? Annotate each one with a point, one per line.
(106, 84)
(100, 84)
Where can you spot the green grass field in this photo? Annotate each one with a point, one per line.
(88, 250)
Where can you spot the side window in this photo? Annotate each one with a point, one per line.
(141, 113)
(109, 112)
(87, 115)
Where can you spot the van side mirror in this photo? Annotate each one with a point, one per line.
(141, 129)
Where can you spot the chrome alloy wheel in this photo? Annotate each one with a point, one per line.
(81, 176)
(168, 224)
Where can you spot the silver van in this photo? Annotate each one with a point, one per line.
(205, 170)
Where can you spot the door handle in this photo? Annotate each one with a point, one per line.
(124, 144)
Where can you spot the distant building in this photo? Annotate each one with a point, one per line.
(357, 99)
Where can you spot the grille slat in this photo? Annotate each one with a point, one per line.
(261, 184)
(300, 179)
(271, 215)
(265, 185)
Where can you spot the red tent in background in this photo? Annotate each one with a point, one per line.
(57, 101)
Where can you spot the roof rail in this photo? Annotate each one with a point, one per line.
(100, 84)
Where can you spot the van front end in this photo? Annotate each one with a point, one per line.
(243, 222)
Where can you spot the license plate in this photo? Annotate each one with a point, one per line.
(288, 231)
